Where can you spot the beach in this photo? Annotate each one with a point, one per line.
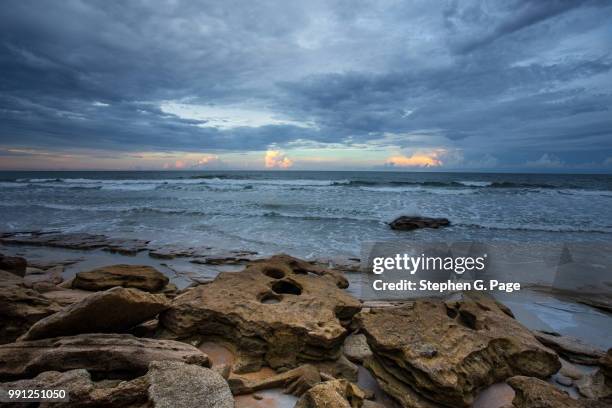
(55, 262)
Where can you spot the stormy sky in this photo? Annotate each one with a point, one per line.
(349, 84)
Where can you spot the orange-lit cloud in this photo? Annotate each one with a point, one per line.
(207, 160)
(275, 159)
(416, 160)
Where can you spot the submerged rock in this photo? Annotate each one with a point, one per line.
(434, 352)
(178, 385)
(279, 312)
(575, 350)
(114, 310)
(140, 277)
(111, 355)
(20, 308)
(76, 241)
(406, 223)
(13, 264)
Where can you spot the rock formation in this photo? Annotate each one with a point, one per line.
(20, 308)
(110, 355)
(175, 384)
(278, 312)
(13, 264)
(534, 393)
(406, 223)
(575, 350)
(112, 311)
(434, 352)
(140, 277)
(335, 393)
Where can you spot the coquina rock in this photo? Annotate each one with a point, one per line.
(109, 355)
(83, 392)
(111, 311)
(278, 312)
(534, 393)
(175, 384)
(20, 308)
(335, 393)
(140, 277)
(434, 352)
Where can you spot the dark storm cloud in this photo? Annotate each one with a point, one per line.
(501, 78)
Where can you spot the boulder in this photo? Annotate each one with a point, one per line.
(280, 313)
(82, 391)
(406, 223)
(534, 393)
(573, 349)
(140, 277)
(112, 311)
(13, 264)
(20, 308)
(175, 384)
(335, 393)
(595, 386)
(434, 352)
(110, 355)
(52, 276)
(356, 348)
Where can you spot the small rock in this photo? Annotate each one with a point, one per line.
(356, 348)
(335, 393)
(406, 223)
(179, 385)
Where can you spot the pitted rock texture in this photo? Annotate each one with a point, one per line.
(111, 355)
(431, 351)
(140, 277)
(279, 312)
(112, 311)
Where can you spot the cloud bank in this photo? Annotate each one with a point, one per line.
(506, 83)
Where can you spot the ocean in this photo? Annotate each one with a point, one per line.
(307, 214)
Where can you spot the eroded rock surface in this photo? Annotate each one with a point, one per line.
(111, 311)
(534, 393)
(140, 277)
(279, 312)
(431, 351)
(76, 241)
(335, 393)
(575, 350)
(84, 392)
(406, 223)
(178, 385)
(20, 308)
(296, 381)
(112, 355)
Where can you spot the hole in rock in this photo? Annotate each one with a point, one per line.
(452, 313)
(270, 298)
(467, 319)
(287, 287)
(274, 273)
